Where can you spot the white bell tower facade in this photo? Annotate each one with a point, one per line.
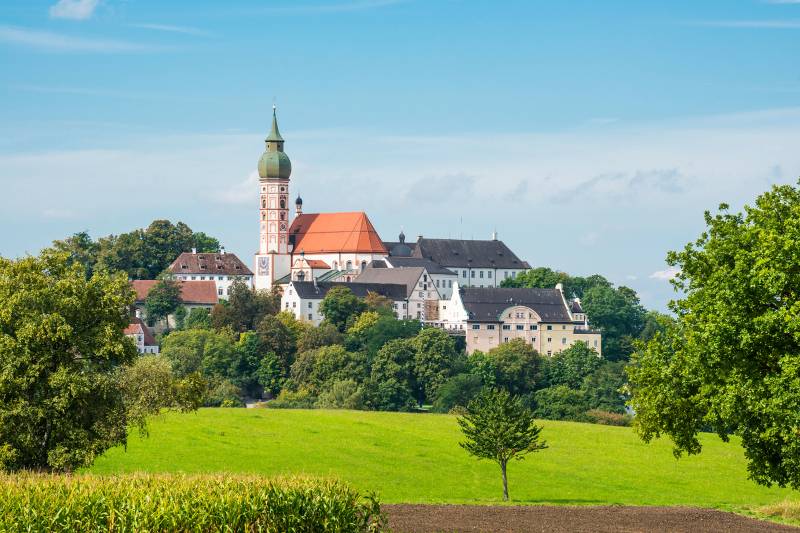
(273, 259)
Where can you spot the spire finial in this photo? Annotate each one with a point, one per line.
(274, 134)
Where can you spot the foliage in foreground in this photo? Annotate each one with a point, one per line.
(183, 503)
(497, 426)
(61, 341)
(732, 363)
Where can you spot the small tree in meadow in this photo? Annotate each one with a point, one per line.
(499, 427)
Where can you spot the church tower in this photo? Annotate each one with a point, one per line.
(273, 259)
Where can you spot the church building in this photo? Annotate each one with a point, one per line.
(311, 244)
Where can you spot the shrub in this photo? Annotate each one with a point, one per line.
(343, 394)
(457, 391)
(31, 502)
(223, 393)
(299, 399)
(607, 418)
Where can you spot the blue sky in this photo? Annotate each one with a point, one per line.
(591, 135)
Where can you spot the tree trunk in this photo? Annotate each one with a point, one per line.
(505, 480)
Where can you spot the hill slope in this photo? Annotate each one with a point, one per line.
(415, 458)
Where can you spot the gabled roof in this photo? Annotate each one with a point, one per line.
(192, 292)
(456, 253)
(427, 264)
(575, 306)
(487, 304)
(216, 264)
(318, 264)
(335, 232)
(308, 290)
(407, 277)
(138, 327)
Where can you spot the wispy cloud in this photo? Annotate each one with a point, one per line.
(73, 9)
(311, 9)
(779, 2)
(56, 42)
(665, 275)
(752, 24)
(187, 30)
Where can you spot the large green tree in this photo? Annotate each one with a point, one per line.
(245, 308)
(61, 341)
(618, 314)
(732, 362)
(498, 426)
(340, 305)
(435, 359)
(163, 299)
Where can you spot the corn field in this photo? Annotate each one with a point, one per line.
(84, 503)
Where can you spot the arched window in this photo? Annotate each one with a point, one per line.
(263, 203)
(335, 265)
(363, 265)
(283, 203)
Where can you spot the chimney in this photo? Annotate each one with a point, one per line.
(222, 250)
(560, 287)
(194, 251)
(494, 235)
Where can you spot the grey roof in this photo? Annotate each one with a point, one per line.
(377, 263)
(400, 249)
(458, 253)
(218, 263)
(308, 290)
(575, 306)
(430, 266)
(486, 304)
(408, 277)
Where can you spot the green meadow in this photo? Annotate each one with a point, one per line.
(415, 458)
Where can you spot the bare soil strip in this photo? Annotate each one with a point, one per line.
(408, 518)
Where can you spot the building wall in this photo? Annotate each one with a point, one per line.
(308, 309)
(483, 277)
(223, 282)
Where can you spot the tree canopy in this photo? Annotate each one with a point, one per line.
(61, 339)
(732, 361)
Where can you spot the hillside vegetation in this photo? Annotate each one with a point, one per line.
(415, 458)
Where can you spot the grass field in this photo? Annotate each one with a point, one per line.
(415, 458)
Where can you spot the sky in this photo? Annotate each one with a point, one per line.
(590, 135)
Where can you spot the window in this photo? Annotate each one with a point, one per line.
(287, 305)
(533, 339)
(309, 305)
(476, 326)
(595, 344)
(563, 340)
(404, 305)
(472, 274)
(294, 304)
(421, 294)
(563, 327)
(480, 274)
(520, 327)
(463, 273)
(506, 327)
(490, 326)
(549, 339)
(505, 274)
(419, 314)
(419, 305)
(534, 327)
(549, 328)
(425, 286)
(450, 284)
(349, 265)
(194, 277)
(489, 274)
(202, 278)
(424, 277)
(310, 316)
(437, 282)
(505, 339)
(549, 352)
(219, 278)
(219, 291)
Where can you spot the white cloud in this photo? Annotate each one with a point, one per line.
(187, 30)
(753, 24)
(665, 275)
(73, 9)
(56, 42)
(242, 193)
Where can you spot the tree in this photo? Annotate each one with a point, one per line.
(316, 337)
(392, 383)
(149, 386)
(370, 339)
(340, 305)
(198, 318)
(459, 390)
(378, 303)
(162, 300)
(618, 314)
(497, 426)
(435, 358)
(244, 308)
(571, 366)
(81, 249)
(516, 366)
(731, 362)
(274, 337)
(559, 402)
(61, 339)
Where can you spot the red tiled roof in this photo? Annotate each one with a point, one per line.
(192, 292)
(335, 232)
(137, 327)
(317, 263)
(226, 264)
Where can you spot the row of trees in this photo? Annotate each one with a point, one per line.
(141, 253)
